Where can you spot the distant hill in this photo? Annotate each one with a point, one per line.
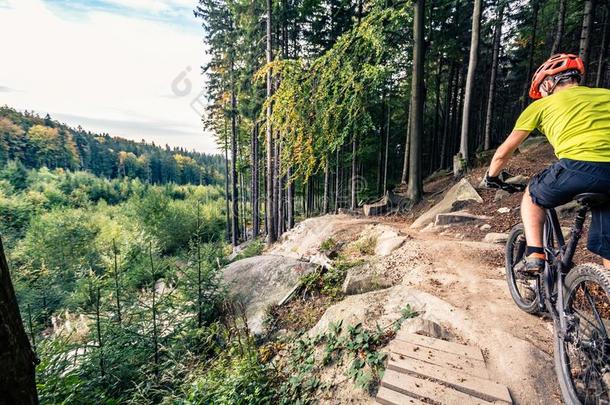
(36, 142)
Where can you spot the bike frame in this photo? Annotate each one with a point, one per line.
(559, 262)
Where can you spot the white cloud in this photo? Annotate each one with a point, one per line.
(105, 68)
(155, 6)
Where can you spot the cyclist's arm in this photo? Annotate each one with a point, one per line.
(505, 151)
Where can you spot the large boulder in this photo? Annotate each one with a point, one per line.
(376, 208)
(362, 279)
(261, 281)
(462, 191)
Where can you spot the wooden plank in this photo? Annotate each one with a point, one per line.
(456, 362)
(477, 387)
(450, 347)
(386, 396)
(426, 389)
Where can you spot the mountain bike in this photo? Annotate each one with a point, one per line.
(577, 298)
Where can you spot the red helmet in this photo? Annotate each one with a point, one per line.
(556, 64)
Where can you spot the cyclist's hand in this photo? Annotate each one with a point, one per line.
(498, 182)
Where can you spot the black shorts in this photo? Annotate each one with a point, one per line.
(559, 183)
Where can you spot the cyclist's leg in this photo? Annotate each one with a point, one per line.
(532, 216)
(607, 263)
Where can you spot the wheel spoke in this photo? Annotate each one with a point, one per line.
(585, 353)
(595, 312)
(582, 316)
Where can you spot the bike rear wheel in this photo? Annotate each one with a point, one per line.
(582, 354)
(523, 290)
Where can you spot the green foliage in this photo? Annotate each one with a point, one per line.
(79, 248)
(366, 245)
(320, 105)
(328, 244)
(254, 248)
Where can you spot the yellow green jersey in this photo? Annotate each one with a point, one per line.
(576, 122)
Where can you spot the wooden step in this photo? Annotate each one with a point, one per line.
(459, 363)
(427, 390)
(386, 396)
(473, 353)
(471, 385)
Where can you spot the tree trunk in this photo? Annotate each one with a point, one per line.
(98, 324)
(17, 376)
(234, 194)
(227, 197)
(472, 66)
(199, 272)
(155, 330)
(269, 209)
(585, 35)
(448, 114)
(326, 188)
(492, 80)
(437, 104)
(117, 285)
(354, 204)
(561, 18)
(601, 62)
(387, 149)
(276, 187)
(405, 161)
(290, 202)
(254, 193)
(415, 189)
(337, 180)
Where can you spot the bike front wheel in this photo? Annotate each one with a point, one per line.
(523, 290)
(582, 352)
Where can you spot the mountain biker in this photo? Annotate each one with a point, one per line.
(576, 121)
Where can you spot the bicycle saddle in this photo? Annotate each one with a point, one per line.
(592, 199)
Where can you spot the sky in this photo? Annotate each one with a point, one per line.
(131, 68)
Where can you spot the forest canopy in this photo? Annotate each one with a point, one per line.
(327, 104)
(37, 142)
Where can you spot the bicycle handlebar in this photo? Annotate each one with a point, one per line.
(499, 182)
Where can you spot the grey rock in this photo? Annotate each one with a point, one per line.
(495, 237)
(261, 281)
(485, 227)
(462, 191)
(377, 208)
(386, 245)
(500, 194)
(361, 279)
(423, 326)
(459, 218)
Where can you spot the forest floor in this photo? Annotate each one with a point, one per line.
(449, 277)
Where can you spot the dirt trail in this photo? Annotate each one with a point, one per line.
(517, 346)
(457, 284)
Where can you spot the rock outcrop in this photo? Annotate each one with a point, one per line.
(261, 281)
(462, 191)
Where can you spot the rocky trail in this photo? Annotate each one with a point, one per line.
(456, 285)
